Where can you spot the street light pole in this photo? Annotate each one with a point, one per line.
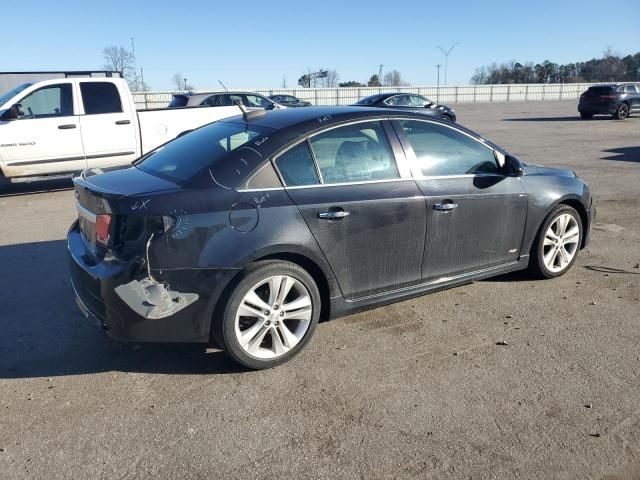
(446, 58)
(438, 87)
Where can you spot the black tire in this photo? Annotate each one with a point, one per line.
(586, 116)
(622, 112)
(223, 327)
(537, 265)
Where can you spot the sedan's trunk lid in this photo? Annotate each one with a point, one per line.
(114, 208)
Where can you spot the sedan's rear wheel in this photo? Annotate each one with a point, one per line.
(270, 315)
(557, 243)
(622, 112)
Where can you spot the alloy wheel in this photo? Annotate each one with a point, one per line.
(273, 317)
(623, 111)
(561, 242)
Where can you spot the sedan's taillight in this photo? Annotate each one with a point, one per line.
(103, 222)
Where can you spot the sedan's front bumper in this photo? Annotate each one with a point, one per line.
(591, 218)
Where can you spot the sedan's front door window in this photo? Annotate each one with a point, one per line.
(354, 153)
(398, 101)
(442, 151)
(256, 101)
(418, 101)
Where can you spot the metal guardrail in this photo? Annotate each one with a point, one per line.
(444, 94)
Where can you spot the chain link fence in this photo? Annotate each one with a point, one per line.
(444, 94)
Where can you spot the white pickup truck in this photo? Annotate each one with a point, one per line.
(64, 125)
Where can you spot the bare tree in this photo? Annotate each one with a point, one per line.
(177, 80)
(393, 78)
(119, 59)
(331, 80)
(180, 82)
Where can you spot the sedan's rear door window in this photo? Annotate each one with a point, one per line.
(354, 153)
(297, 167)
(443, 151)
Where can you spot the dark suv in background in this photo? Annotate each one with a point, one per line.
(616, 99)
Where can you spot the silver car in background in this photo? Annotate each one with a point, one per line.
(251, 100)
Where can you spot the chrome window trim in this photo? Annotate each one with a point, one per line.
(468, 175)
(267, 189)
(367, 182)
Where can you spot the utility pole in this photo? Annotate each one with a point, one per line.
(135, 70)
(446, 58)
(185, 83)
(380, 74)
(438, 88)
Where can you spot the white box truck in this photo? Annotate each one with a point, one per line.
(76, 120)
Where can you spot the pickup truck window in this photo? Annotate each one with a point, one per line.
(50, 101)
(183, 158)
(100, 97)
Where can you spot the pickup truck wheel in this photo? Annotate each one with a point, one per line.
(270, 315)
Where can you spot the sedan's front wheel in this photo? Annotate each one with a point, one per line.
(557, 243)
(270, 315)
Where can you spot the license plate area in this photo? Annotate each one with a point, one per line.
(87, 222)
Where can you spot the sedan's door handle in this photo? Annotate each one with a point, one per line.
(333, 215)
(67, 126)
(445, 206)
(123, 122)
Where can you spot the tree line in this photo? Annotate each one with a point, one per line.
(609, 68)
(332, 79)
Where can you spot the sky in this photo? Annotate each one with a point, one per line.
(251, 44)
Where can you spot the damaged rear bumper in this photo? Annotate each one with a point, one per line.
(120, 299)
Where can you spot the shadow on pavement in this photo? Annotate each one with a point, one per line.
(44, 334)
(603, 269)
(624, 154)
(519, 276)
(555, 119)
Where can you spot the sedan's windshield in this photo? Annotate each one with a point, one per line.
(12, 93)
(184, 157)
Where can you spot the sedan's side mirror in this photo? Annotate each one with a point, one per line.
(13, 113)
(514, 166)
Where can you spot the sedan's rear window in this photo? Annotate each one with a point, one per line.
(368, 100)
(185, 157)
(602, 89)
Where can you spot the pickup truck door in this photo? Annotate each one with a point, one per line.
(46, 139)
(108, 124)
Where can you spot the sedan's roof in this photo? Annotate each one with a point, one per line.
(283, 118)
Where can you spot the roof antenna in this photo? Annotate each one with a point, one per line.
(246, 114)
(242, 108)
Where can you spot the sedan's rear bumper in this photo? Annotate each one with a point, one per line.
(593, 108)
(94, 285)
